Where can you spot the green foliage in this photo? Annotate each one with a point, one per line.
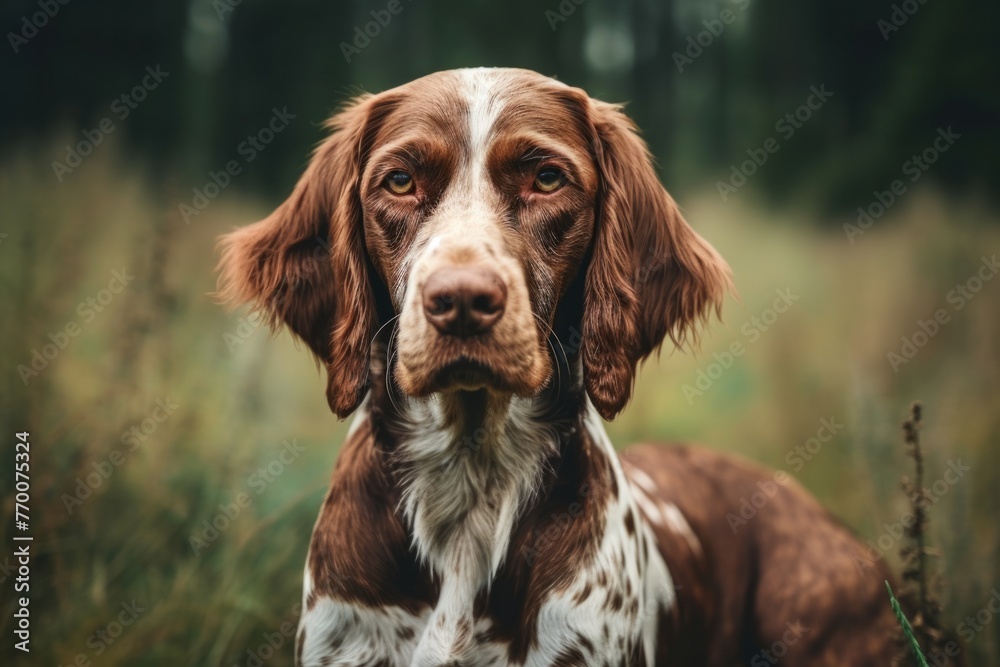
(907, 630)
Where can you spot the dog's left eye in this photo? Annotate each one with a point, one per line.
(549, 179)
(399, 182)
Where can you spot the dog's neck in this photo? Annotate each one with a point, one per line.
(468, 465)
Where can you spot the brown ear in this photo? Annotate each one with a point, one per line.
(650, 274)
(305, 265)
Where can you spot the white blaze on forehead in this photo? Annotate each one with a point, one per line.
(466, 212)
(482, 91)
(466, 216)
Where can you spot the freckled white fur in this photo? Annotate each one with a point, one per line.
(446, 483)
(363, 635)
(462, 499)
(652, 588)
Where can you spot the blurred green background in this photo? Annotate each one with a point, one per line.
(148, 406)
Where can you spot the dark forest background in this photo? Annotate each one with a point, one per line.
(895, 77)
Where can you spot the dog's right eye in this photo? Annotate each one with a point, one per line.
(549, 179)
(399, 182)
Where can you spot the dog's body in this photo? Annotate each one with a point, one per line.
(495, 257)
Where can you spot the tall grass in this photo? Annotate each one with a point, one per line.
(161, 338)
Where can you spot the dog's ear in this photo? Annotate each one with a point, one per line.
(650, 274)
(305, 265)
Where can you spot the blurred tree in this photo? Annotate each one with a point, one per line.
(232, 62)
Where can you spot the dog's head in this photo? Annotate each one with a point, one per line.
(478, 205)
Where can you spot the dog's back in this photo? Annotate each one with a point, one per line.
(767, 573)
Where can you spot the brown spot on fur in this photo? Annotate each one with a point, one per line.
(569, 657)
(360, 549)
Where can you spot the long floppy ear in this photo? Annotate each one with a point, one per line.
(650, 274)
(305, 265)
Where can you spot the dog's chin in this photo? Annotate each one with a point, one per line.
(470, 375)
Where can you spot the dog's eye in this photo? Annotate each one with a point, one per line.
(549, 179)
(399, 182)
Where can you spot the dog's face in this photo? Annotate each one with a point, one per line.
(473, 199)
(478, 204)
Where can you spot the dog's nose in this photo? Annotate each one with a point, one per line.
(464, 301)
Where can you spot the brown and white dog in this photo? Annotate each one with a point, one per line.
(481, 258)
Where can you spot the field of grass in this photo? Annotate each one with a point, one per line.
(158, 407)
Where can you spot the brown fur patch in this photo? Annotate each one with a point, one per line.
(360, 549)
(791, 562)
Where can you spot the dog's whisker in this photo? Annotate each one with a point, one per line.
(387, 323)
(389, 356)
(553, 334)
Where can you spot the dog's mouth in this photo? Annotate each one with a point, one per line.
(466, 374)
(523, 374)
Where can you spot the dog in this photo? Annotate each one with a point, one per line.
(480, 259)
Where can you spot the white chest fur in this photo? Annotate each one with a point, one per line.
(462, 513)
